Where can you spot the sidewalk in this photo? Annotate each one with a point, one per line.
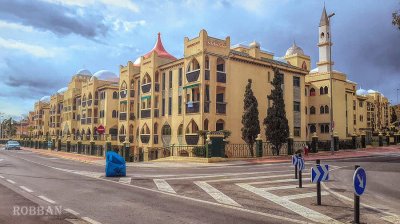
(323, 155)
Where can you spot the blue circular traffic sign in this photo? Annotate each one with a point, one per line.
(359, 181)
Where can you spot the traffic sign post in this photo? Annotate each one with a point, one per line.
(295, 160)
(359, 184)
(300, 167)
(319, 173)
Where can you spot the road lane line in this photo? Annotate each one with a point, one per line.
(10, 181)
(26, 189)
(223, 175)
(216, 194)
(162, 185)
(46, 199)
(286, 187)
(277, 181)
(299, 209)
(1, 177)
(89, 220)
(125, 180)
(392, 219)
(71, 211)
(305, 195)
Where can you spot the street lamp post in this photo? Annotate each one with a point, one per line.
(331, 84)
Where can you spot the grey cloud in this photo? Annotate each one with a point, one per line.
(53, 17)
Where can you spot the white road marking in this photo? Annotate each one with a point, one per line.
(223, 175)
(1, 177)
(250, 178)
(305, 195)
(392, 219)
(162, 185)
(71, 211)
(299, 209)
(89, 220)
(285, 187)
(188, 198)
(216, 194)
(10, 181)
(277, 181)
(46, 199)
(125, 180)
(26, 189)
(88, 173)
(1, 160)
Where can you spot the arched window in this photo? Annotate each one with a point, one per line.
(326, 128)
(156, 77)
(326, 109)
(90, 96)
(321, 91)
(220, 65)
(193, 65)
(205, 125)
(155, 129)
(145, 130)
(166, 130)
(312, 92)
(180, 130)
(313, 129)
(146, 79)
(325, 90)
(304, 65)
(322, 35)
(96, 95)
(192, 128)
(114, 114)
(122, 130)
(123, 85)
(322, 128)
(312, 110)
(115, 95)
(322, 110)
(219, 126)
(207, 63)
(132, 84)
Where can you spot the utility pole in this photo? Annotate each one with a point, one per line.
(1, 124)
(330, 81)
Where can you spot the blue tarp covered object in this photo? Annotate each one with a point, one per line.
(115, 165)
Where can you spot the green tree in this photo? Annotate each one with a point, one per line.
(276, 123)
(9, 127)
(396, 19)
(250, 122)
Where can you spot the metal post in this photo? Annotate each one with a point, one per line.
(356, 205)
(300, 180)
(330, 83)
(295, 172)
(318, 187)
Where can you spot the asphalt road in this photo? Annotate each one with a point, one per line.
(263, 193)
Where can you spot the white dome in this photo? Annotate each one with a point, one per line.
(137, 61)
(361, 92)
(254, 44)
(372, 91)
(45, 99)
(83, 72)
(62, 90)
(294, 49)
(105, 75)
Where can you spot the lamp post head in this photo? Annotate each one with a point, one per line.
(330, 15)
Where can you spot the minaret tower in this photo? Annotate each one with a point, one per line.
(324, 44)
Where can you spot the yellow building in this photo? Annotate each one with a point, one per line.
(56, 109)
(42, 118)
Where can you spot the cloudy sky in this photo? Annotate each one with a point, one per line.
(43, 43)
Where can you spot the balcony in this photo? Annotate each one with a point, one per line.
(192, 139)
(193, 76)
(122, 116)
(156, 113)
(131, 116)
(221, 107)
(157, 87)
(206, 74)
(132, 93)
(145, 113)
(155, 139)
(206, 107)
(146, 88)
(89, 103)
(192, 107)
(221, 77)
(123, 93)
(145, 138)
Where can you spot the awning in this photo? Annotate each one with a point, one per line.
(191, 86)
(145, 97)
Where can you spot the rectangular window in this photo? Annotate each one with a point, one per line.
(163, 107)
(361, 103)
(296, 106)
(170, 106)
(297, 132)
(163, 81)
(179, 104)
(180, 77)
(296, 81)
(207, 93)
(220, 97)
(170, 79)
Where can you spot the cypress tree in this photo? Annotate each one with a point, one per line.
(276, 123)
(250, 122)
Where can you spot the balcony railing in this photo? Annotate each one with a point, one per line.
(146, 88)
(221, 77)
(206, 74)
(157, 87)
(123, 93)
(132, 116)
(192, 107)
(156, 113)
(145, 113)
(221, 107)
(145, 138)
(122, 116)
(206, 107)
(193, 76)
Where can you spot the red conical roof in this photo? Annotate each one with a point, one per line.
(159, 48)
